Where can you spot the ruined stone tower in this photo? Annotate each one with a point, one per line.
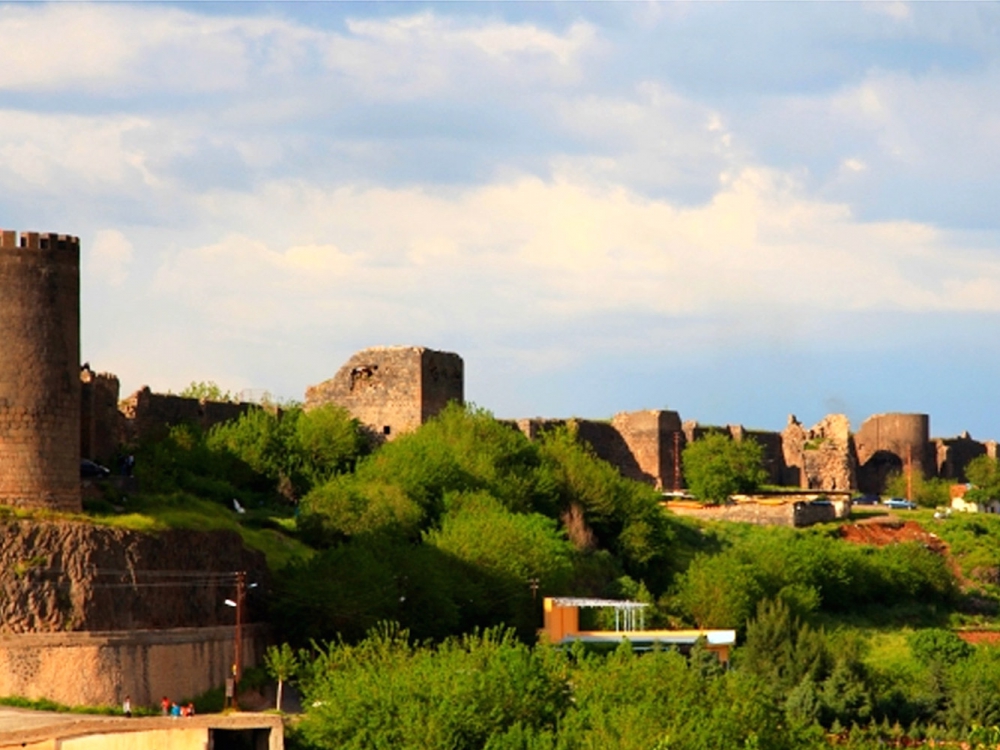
(393, 389)
(40, 370)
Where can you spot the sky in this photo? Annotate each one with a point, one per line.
(734, 210)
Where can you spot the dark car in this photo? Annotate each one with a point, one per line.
(865, 500)
(91, 470)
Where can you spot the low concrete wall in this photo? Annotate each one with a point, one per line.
(78, 732)
(791, 513)
(101, 668)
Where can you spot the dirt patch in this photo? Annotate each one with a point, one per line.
(884, 530)
(976, 637)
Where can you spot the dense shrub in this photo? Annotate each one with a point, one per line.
(812, 570)
(715, 466)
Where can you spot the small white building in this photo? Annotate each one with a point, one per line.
(968, 506)
(959, 503)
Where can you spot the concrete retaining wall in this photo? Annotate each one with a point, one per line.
(101, 668)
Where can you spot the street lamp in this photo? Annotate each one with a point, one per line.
(241, 592)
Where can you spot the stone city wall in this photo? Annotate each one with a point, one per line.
(101, 668)
(888, 443)
(102, 425)
(149, 416)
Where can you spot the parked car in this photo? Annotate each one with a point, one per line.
(899, 503)
(865, 500)
(91, 470)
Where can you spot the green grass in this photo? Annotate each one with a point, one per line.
(271, 532)
(44, 704)
(259, 530)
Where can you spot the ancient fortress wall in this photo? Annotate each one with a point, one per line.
(886, 443)
(653, 440)
(149, 416)
(40, 370)
(393, 389)
(101, 423)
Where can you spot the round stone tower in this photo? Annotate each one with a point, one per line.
(40, 370)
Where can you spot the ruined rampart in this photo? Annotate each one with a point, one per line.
(102, 425)
(891, 443)
(39, 370)
(393, 390)
(149, 416)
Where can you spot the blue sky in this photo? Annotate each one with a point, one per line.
(735, 210)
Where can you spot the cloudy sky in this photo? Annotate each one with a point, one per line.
(734, 210)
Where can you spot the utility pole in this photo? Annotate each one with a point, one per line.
(909, 473)
(533, 583)
(241, 587)
(677, 461)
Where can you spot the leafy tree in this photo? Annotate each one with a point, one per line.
(330, 441)
(513, 549)
(984, 473)
(717, 592)
(937, 646)
(623, 516)
(206, 390)
(716, 467)
(782, 650)
(929, 493)
(281, 663)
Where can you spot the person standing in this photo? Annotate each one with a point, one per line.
(127, 707)
(165, 706)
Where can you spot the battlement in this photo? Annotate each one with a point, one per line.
(10, 240)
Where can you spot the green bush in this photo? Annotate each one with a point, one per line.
(716, 467)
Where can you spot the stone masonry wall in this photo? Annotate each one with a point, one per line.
(62, 576)
(795, 514)
(822, 457)
(101, 424)
(40, 370)
(884, 444)
(954, 454)
(393, 389)
(649, 439)
(149, 416)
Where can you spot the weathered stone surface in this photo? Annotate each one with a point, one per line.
(954, 454)
(822, 457)
(393, 389)
(149, 416)
(102, 425)
(40, 370)
(75, 576)
(888, 443)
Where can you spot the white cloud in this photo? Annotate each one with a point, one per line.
(123, 50)
(653, 139)
(896, 10)
(69, 150)
(499, 258)
(109, 258)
